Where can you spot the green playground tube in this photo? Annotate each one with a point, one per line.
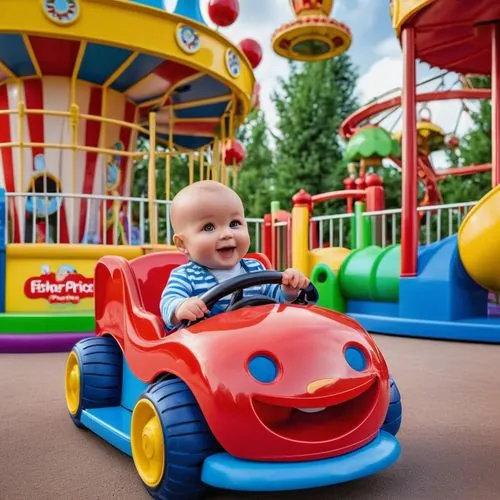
(328, 286)
(387, 274)
(371, 273)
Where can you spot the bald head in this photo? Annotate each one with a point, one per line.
(192, 202)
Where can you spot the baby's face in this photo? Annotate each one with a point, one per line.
(214, 231)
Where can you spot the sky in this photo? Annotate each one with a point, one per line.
(375, 51)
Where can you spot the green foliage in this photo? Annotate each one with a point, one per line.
(255, 180)
(312, 103)
(392, 186)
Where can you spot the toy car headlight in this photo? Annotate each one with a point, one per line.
(263, 368)
(356, 358)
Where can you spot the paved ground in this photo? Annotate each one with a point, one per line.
(450, 434)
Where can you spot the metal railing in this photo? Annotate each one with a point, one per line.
(436, 222)
(114, 220)
(109, 220)
(255, 230)
(331, 231)
(282, 258)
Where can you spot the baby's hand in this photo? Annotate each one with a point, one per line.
(191, 309)
(293, 281)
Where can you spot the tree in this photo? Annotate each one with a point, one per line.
(313, 102)
(392, 186)
(255, 180)
(475, 149)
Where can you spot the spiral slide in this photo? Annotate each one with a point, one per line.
(479, 241)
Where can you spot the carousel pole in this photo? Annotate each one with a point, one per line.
(409, 217)
(153, 219)
(495, 104)
(201, 153)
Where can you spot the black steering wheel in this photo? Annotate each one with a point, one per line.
(236, 285)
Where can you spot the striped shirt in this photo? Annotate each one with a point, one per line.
(192, 280)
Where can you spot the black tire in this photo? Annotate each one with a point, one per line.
(394, 416)
(100, 361)
(188, 441)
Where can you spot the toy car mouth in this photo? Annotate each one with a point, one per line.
(314, 419)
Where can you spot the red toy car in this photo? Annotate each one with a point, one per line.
(263, 397)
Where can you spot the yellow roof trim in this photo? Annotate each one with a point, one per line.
(403, 10)
(139, 29)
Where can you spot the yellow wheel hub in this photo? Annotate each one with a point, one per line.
(72, 383)
(146, 438)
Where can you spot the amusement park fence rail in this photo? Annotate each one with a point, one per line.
(132, 216)
(436, 222)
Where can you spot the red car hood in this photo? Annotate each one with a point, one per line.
(267, 421)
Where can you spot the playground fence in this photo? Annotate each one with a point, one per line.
(126, 219)
(436, 222)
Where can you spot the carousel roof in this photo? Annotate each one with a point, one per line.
(171, 63)
(449, 34)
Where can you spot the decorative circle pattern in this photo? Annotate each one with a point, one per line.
(61, 11)
(188, 39)
(233, 63)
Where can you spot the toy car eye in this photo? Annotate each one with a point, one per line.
(263, 369)
(356, 358)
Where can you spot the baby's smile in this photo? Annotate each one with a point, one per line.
(226, 252)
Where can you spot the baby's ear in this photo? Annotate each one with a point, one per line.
(179, 243)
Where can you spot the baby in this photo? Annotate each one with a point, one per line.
(210, 229)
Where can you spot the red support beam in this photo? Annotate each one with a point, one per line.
(357, 194)
(349, 125)
(409, 218)
(495, 105)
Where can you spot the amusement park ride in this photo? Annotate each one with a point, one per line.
(438, 290)
(359, 131)
(78, 88)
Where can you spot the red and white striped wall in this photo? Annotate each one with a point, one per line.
(53, 93)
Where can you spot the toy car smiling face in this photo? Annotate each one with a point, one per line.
(291, 383)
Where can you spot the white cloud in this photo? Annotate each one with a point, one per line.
(384, 75)
(389, 47)
(348, 11)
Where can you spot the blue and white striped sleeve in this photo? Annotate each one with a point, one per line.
(271, 290)
(177, 290)
(275, 291)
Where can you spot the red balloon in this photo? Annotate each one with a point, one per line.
(252, 50)
(234, 152)
(223, 12)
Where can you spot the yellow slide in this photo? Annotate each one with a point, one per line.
(479, 241)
